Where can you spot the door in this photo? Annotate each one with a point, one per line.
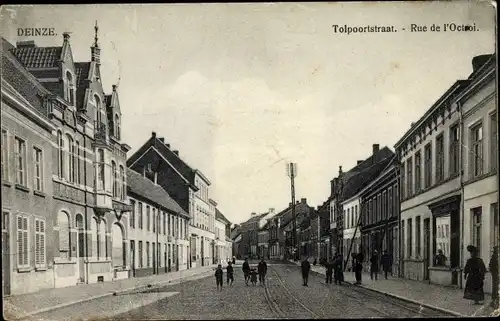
(5, 254)
(427, 247)
(176, 257)
(81, 248)
(202, 251)
(165, 258)
(169, 255)
(132, 257)
(154, 259)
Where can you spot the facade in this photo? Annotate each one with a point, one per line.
(435, 166)
(380, 216)
(302, 214)
(320, 232)
(188, 187)
(158, 228)
(88, 194)
(222, 236)
(351, 209)
(304, 234)
(27, 210)
(477, 103)
(263, 241)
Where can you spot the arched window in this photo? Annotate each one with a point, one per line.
(117, 126)
(70, 88)
(81, 235)
(98, 111)
(118, 246)
(64, 235)
(123, 194)
(78, 161)
(71, 159)
(100, 170)
(101, 236)
(115, 178)
(60, 154)
(95, 232)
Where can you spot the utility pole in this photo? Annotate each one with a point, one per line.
(292, 173)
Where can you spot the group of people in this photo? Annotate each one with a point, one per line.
(250, 273)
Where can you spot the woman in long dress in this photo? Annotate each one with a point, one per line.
(474, 272)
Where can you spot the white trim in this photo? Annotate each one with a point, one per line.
(475, 84)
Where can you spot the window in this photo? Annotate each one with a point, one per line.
(347, 220)
(39, 242)
(494, 235)
(71, 160)
(141, 257)
(60, 154)
(476, 228)
(70, 88)
(98, 111)
(168, 223)
(428, 166)
(370, 212)
(64, 235)
(78, 163)
(477, 150)
(132, 214)
(454, 150)
(148, 258)
(403, 181)
(148, 218)
(154, 220)
(443, 237)
(117, 124)
(384, 206)
(403, 239)
(100, 170)
(390, 203)
(140, 216)
(493, 142)
(115, 179)
(418, 172)
(124, 183)
(409, 168)
(417, 236)
(5, 155)
(38, 169)
(20, 157)
(23, 246)
(95, 239)
(409, 240)
(164, 223)
(439, 158)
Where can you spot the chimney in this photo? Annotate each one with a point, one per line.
(290, 204)
(26, 44)
(153, 134)
(156, 178)
(176, 152)
(303, 200)
(359, 162)
(479, 61)
(376, 148)
(66, 36)
(271, 210)
(297, 202)
(114, 87)
(162, 139)
(253, 214)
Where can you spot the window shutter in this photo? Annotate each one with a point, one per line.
(42, 242)
(20, 240)
(37, 242)
(25, 241)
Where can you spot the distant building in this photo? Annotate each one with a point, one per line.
(223, 251)
(320, 232)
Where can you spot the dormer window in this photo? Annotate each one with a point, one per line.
(117, 127)
(70, 88)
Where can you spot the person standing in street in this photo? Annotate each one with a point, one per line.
(329, 272)
(474, 272)
(493, 267)
(386, 261)
(337, 267)
(262, 269)
(234, 260)
(218, 277)
(306, 267)
(358, 267)
(246, 271)
(230, 273)
(374, 263)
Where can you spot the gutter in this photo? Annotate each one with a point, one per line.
(462, 210)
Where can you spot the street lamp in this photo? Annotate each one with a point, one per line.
(292, 173)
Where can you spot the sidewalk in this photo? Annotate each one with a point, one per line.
(446, 299)
(50, 299)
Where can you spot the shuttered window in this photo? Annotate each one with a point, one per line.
(22, 242)
(39, 243)
(64, 240)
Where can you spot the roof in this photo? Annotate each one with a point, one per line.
(142, 186)
(22, 81)
(82, 70)
(235, 233)
(264, 228)
(220, 216)
(38, 57)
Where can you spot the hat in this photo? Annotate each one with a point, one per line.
(471, 248)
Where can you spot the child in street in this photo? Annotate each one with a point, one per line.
(253, 276)
(218, 277)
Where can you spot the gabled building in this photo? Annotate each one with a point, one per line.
(263, 243)
(88, 168)
(189, 188)
(223, 250)
(250, 233)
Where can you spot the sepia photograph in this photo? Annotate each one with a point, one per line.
(231, 161)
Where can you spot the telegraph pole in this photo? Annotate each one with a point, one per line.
(292, 173)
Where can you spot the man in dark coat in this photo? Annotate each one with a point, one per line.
(246, 270)
(305, 267)
(358, 267)
(493, 267)
(337, 268)
(374, 265)
(262, 269)
(230, 273)
(474, 272)
(329, 272)
(386, 261)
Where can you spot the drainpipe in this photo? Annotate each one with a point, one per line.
(462, 201)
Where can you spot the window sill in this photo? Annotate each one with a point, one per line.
(57, 262)
(22, 188)
(41, 268)
(6, 183)
(24, 269)
(39, 193)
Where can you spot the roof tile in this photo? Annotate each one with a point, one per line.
(38, 57)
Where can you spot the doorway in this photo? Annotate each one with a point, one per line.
(5, 254)
(427, 247)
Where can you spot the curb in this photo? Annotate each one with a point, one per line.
(111, 293)
(429, 306)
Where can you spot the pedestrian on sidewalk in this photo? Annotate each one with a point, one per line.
(358, 267)
(474, 273)
(218, 277)
(374, 263)
(262, 269)
(305, 267)
(230, 273)
(337, 268)
(329, 272)
(493, 267)
(386, 261)
(234, 260)
(440, 259)
(253, 276)
(246, 271)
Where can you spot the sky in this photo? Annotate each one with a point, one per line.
(242, 89)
